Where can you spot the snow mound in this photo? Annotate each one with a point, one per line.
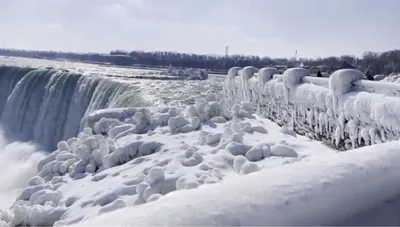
(148, 141)
(310, 192)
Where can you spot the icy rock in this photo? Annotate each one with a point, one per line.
(186, 129)
(236, 128)
(249, 167)
(65, 166)
(283, 142)
(49, 158)
(82, 136)
(91, 143)
(91, 167)
(283, 151)
(151, 133)
(191, 185)
(173, 111)
(175, 123)
(202, 137)
(236, 148)
(83, 153)
(195, 123)
(213, 138)
(113, 132)
(56, 180)
(213, 110)
(180, 183)
(141, 188)
(103, 126)
(46, 195)
(247, 128)
(288, 131)
(191, 111)
(87, 131)
(117, 204)
(258, 152)
(235, 109)
(63, 146)
(132, 148)
(29, 191)
(259, 129)
(196, 159)
(245, 114)
(149, 147)
(153, 197)
(36, 215)
(249, 107)
(65, 156)
(218, 119)
(189, 152)
(236, 137)
(216, 173)
(156, 174)
(35, 181)
(80, 167)
(163, 118)
(238, 163)
(139, 118)
(211, 97)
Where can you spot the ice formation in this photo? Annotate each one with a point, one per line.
(343, 110)
(106, 146)
(46, 105)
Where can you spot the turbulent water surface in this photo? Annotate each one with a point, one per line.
(46, 105)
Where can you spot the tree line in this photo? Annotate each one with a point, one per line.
(376, 63)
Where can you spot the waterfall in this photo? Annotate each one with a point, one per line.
(46, 106)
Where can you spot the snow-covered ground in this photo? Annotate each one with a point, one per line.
(212, 162)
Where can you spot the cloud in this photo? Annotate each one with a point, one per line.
(55, 26)
(264, 27)
(116, 11)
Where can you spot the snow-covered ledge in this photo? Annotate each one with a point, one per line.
(343, 110)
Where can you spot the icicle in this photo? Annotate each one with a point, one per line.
(337, 136)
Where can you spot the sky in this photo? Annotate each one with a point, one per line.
(275, 28)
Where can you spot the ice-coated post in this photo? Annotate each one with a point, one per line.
(246, 73)
(266, 74)
(291, 78)
(230, 85)
(341, 81)
(233, 72)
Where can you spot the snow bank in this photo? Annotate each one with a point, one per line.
(311, 192)
(343, 110)
(116, 140)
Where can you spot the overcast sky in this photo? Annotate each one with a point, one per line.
(262, 27)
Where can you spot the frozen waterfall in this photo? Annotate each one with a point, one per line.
(46, 106)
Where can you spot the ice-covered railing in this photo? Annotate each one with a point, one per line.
(343, 110)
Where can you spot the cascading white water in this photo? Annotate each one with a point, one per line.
(18, 163)
(46, 106)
